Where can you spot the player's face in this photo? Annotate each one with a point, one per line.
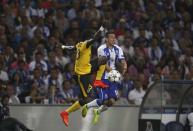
(111, 39)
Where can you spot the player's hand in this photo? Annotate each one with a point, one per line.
(101, 28)
(97, 33)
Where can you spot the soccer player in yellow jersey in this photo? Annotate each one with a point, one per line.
(82, 72)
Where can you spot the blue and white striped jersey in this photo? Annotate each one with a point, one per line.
(113, 54)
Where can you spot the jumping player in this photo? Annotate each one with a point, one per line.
(82, 73)
(107, 91)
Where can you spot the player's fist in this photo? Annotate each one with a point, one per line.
(101, 28)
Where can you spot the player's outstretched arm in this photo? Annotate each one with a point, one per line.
(68, 47)
(96, 35)
(101, 29)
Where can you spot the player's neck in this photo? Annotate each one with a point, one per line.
(109, 45)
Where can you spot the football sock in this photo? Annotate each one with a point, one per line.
(73, 107)
(92, 103)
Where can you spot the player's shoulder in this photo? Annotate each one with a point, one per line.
(101, 47)
(118, 47)
(81, 44)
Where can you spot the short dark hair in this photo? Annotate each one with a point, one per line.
(111, 31)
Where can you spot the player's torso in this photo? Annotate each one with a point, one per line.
(83, 56)
(112, 55)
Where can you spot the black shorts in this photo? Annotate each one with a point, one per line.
(84, 82)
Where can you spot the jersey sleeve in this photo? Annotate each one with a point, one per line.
(81, 45)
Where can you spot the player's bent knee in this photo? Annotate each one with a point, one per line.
(84, 101)
(111, 102)
(106, 102)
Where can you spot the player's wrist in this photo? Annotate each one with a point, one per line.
(90, 40)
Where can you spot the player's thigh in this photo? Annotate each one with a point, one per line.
(102, 93)
(113, 91)
(84, 84)
(113, 94)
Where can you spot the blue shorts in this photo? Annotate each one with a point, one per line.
(107, 93)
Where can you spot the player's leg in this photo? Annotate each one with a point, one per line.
(106, 104)
(97, 112)
(112, 95)
(84, 82)
(102, 108)
(96, 102)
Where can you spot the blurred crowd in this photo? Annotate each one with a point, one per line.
(155, 35)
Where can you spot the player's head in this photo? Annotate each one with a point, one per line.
(110, 37)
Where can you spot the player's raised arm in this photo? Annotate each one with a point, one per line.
(68, 47)
(96, 35)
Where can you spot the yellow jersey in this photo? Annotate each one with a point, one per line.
(83, 56)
